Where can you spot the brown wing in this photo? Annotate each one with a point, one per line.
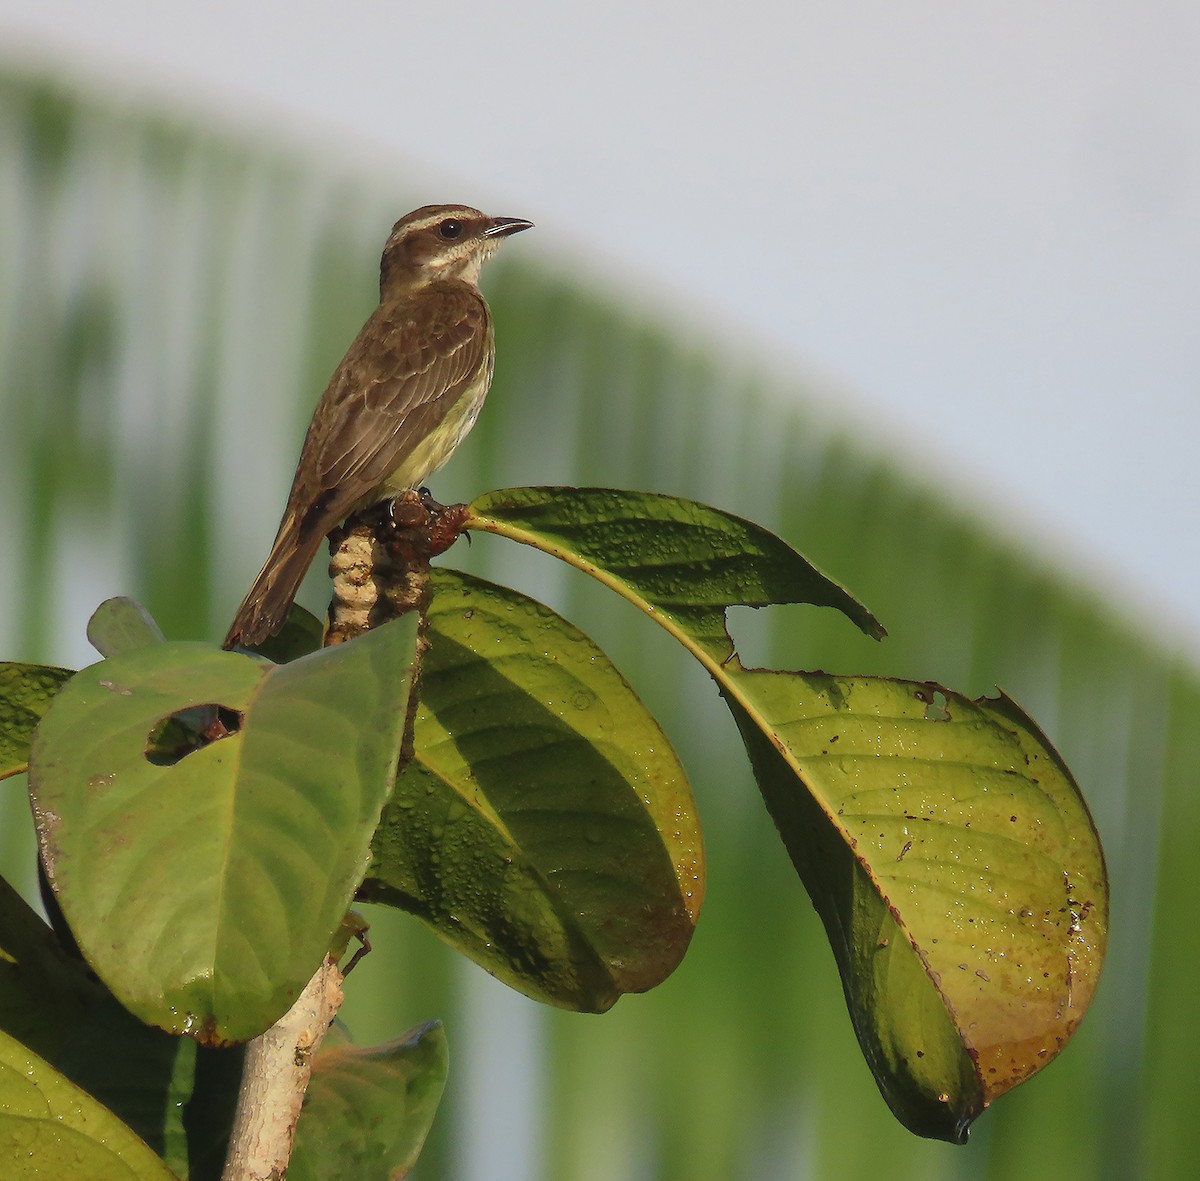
(406, 368)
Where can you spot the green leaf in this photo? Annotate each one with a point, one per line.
(177, 1095)
(205, 886)
(685, 560)
(120, 625)
(545, 826)
(26, 691)
(44, 992)
(54, 1006)
(144, 1076)
(944, 843)
(49, 1128)
(302, 633)
(367, 1111)
(956, 869)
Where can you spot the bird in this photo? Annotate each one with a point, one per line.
(398, 404)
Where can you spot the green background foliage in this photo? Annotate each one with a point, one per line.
(171, 304)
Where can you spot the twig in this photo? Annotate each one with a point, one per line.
(275, 1076)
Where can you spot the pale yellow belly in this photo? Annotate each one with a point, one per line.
(437, 447)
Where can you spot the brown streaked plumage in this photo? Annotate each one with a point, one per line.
(404, 396)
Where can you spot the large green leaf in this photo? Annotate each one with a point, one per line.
(545, 826)
(205, 884)
(50, 1130)
(367, 1111)
(956, 869)
(943, 841)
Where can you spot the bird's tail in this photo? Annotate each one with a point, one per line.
(268, 601)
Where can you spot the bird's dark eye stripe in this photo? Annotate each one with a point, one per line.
(450, 228)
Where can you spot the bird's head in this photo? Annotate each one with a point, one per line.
(441, 242)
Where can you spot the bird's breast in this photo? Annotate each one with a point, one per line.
(440, 443)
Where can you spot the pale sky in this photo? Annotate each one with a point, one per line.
(979, 223)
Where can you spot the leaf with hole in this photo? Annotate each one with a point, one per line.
(205, 817)
(943, 841)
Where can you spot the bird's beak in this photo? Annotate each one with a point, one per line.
(501, 227)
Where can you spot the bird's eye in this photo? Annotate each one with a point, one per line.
(450, 229)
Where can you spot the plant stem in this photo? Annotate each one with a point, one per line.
(274, 1079)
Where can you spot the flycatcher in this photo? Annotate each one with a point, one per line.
(403, 398)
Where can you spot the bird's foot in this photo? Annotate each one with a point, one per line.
(420, 527)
